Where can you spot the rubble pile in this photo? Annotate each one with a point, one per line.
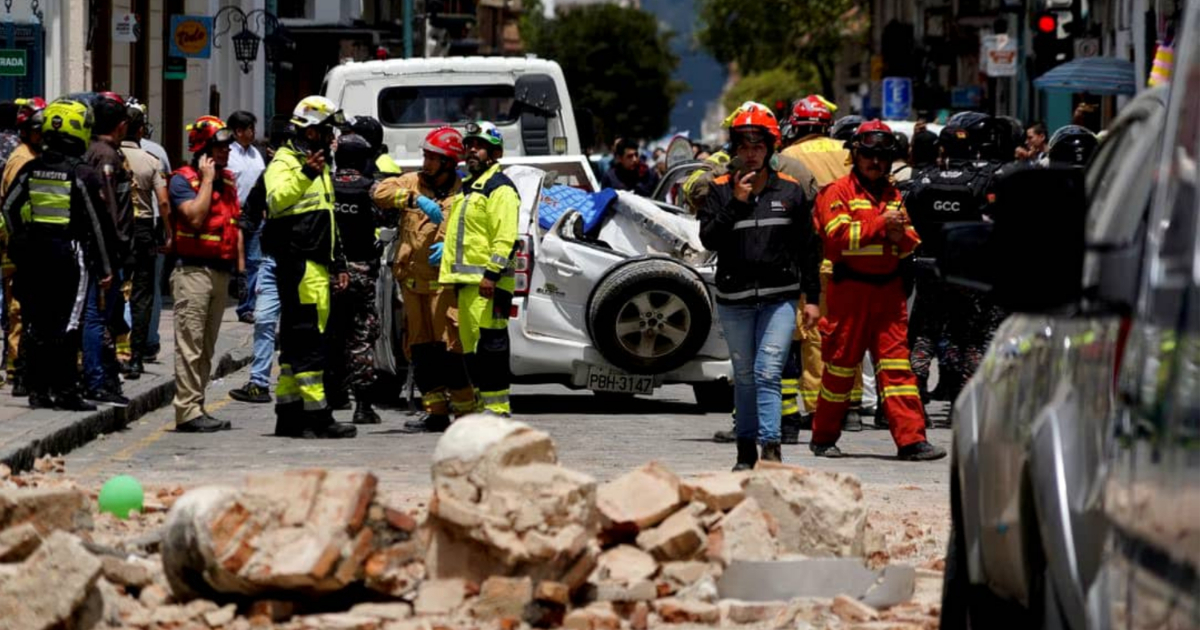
(512, 540)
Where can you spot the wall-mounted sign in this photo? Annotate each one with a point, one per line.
(126, 28)
(191, 36)
(13, 63)
(175, 69)
(999, 56)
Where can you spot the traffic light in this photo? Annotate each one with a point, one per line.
(1053, 36)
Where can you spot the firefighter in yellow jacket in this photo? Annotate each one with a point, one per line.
(304, 242)
(481, 234)
(430, 310)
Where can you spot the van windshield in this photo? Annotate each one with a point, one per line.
(421, 106)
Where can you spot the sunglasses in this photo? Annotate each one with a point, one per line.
(223, 136)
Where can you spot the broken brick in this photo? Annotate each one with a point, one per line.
(673, 610)
(850, 609)
(721, 492)
(677, 538)
(18, 543)
(343, 500)
(501, 597)
(47, 509)
(638, 500)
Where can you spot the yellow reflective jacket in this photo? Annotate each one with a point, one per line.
(300, 210)
(481, 231)
(827, 159)
(385, 167)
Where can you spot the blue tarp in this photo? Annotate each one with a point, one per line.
(1093, 75)
(557, 200)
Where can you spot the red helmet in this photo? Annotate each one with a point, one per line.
(873, 135)
(811, 110)
(753, 115)
(445, 141)
(29, 108)
(113, 96)
(207, 129)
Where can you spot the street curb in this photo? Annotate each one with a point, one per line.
(82, 430)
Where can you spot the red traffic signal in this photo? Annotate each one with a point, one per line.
(1047, 23)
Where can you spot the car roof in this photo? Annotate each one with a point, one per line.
(437, 65)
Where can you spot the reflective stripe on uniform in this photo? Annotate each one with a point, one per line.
(901, 390)
(869, 250)
(755, 223)
(860, 204)
(739, 295)
(894, 364)
(832, 397)
(49, 201)
(497, 259)
(855, 234)
(844, 372)
(496, 401)
(840, 219)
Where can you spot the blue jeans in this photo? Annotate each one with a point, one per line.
(254, 259)
(100, 368)
(266, 320)
(759, 337)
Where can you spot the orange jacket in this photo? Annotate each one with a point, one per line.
(850, 222)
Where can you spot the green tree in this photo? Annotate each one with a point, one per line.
(762, 35)
(770, 86)
(617, 64)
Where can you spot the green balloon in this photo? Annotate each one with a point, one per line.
(121, 495)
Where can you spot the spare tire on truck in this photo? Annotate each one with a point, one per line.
(650, 315)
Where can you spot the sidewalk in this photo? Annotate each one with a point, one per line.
(27, 434)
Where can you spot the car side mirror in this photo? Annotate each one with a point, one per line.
(1031, 254)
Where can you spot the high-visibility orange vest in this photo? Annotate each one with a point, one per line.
(218, 239)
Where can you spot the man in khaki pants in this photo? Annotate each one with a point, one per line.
(208, 244)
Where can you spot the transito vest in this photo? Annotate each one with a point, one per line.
(49, 197)
(218, 238)
(468, 244)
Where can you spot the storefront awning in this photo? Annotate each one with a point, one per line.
(1094, 75)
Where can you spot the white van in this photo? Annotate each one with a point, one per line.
(526, 98)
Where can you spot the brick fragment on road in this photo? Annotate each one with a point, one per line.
(745, 533)
(817, 512)
(50, 586)
(501, 597)
(440, 597)
(673, 610)
(47, 509)
(680, 537)
(850, 609)
(736, 611)
(720, 492)
(598, 616)
(637, 500)
(131, 574)
(18, 543)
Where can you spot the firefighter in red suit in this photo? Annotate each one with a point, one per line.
(866, 232)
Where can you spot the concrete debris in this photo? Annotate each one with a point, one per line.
(18, 543)
(688, 572)
(50, 587)
(501, 597)
(387, 611)
(850, 609)
(721, 492)
(818, 513)
(47, 509)
(673, 610)
(624, 564)
(221, 617)
(746, 533)
(680, 537)
(594, 617)
(128, 574)
(637, 500)
(440, 597)
(736, 611)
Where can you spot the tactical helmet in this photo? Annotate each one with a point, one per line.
(369, 129)
(845, 127)
(1072, 146)
(353, 151)
(984, 137)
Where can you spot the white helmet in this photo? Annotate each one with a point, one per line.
(317, 110)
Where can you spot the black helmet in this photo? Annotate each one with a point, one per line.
(844, 127)
(1072, 146)
(353, 151)
(369, 129)
(985, 136)
(954, 143)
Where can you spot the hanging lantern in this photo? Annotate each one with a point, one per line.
(245, 48)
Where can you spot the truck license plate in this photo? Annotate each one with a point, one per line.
(604, 379)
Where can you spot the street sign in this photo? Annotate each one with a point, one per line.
(125, 28)
(966, 97)
(13, 63)
(999, 56)
(897, 98)
(191, 36)
(175, 69)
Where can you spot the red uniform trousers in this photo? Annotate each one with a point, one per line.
(861, 317)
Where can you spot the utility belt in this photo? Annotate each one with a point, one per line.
(842, 271)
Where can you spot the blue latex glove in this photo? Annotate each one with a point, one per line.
(435, 254)
(431, 208)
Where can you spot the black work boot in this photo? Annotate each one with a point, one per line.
(38, 400)
(428, 423)
(920, 452)
(771, 452)
(789, 428)
(135, 370)
(322, 427)
(727, 437)
(363, 413)
(747, 455)
(19, 390)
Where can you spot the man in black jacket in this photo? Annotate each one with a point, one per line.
(759, 221)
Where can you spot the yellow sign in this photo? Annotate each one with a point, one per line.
(191, 36)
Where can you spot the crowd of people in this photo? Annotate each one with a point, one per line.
(288, 227)
(827, 234)
(824, 230)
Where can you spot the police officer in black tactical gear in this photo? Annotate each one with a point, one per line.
(951, 322)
